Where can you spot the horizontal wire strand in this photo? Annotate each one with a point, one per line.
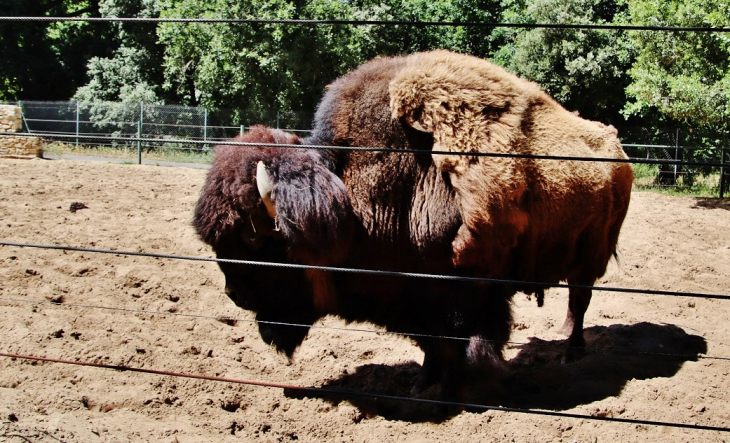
(341, 393)
(314, 22)
(371, 395)
(371, 271)
(374, 149)
(513, 344)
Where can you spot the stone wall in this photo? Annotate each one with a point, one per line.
(15, 146)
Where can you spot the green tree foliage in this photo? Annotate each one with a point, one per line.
(584, 69)
(392, 40)
(260, 68)
(255, 69)
(683, 75)
(654, 79)
(132, 73)
(44, 60)
(682, 79)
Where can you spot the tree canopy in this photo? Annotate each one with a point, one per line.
(131, 72)
(683, 75)
(651, 78)
(584, 69)
(45, 60)
(263, 68)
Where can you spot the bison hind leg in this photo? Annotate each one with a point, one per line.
(578, 301)
(567, 327)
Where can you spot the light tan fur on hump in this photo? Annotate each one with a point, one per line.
(473, 106)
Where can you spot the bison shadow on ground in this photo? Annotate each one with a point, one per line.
(535, 377)
(712, 203)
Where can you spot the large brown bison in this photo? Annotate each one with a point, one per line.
(537, 220)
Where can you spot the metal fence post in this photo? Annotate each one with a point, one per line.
(77, 124)
(22, 115)
(139, 133)
(676, 156)
(722, 173)
(242, 129)
(205, 127)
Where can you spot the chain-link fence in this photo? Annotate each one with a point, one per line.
(683, 145)
(680, 176)
(86, 121)
(164, 122)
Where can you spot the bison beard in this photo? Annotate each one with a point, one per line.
(505, 218)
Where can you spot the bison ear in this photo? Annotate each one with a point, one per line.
(415, 118)
(408, 102)
(468, 104)
(312, 209)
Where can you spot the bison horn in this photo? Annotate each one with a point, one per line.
(265, 186)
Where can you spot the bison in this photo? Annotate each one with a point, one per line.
(432, 210)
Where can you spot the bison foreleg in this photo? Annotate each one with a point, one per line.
(470, 373)
(431, 372)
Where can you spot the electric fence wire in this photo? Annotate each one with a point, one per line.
(387, 150)
(315, 22)
(518, 283)
(512, 344)
(329, 392)
(362, 271)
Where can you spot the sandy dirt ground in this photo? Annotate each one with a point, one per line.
(649, 357)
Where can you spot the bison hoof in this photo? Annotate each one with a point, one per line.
(573, 354)
(421, 384)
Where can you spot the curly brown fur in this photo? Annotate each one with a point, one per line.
(318, 224)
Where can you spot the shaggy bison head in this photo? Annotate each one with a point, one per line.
(276, 204)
